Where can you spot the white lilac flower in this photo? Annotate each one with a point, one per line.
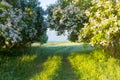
(9, 24)
(4, 27)
(2, 15)
(12, 35)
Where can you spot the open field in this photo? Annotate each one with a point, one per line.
(59, 61)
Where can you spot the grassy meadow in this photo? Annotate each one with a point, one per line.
(59, 61)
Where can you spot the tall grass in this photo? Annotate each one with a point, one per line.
(49, 69)
(95, 66)
(59, 61)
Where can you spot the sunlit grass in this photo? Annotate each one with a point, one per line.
(59, 61)
(27, 58)
(95, 66)
(13, 68)
(49, 69)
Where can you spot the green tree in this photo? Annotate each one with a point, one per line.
(21, 25)
(103, 28)
(68, 15)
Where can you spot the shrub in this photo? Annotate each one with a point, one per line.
(68, 16)
(19, 28)
(103, 28)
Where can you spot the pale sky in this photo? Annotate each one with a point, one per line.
(52, 35)
(45, 3)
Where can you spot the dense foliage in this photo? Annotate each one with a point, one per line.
(22, 25)
(68, 15)
(94, 22)
(103, 28)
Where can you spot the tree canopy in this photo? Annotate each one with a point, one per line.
(68, 15)
(103, 28)
(22, 24)
(96, 22)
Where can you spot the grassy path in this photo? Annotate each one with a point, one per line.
(49, 68)
(62, 71)
(49, 62)
(65, 72)
(59, 62)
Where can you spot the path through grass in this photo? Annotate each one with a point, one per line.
(59, 61)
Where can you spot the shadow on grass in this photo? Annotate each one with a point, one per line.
(30, 62)
(20, 68)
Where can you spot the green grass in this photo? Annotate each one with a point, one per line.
(95, 66)
(59, 61)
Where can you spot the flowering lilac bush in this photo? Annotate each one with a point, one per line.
(17, 27)
(103, 28)
(69, 17)
(10, 26)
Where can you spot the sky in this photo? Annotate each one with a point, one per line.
(45, 3)
(52, 35)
